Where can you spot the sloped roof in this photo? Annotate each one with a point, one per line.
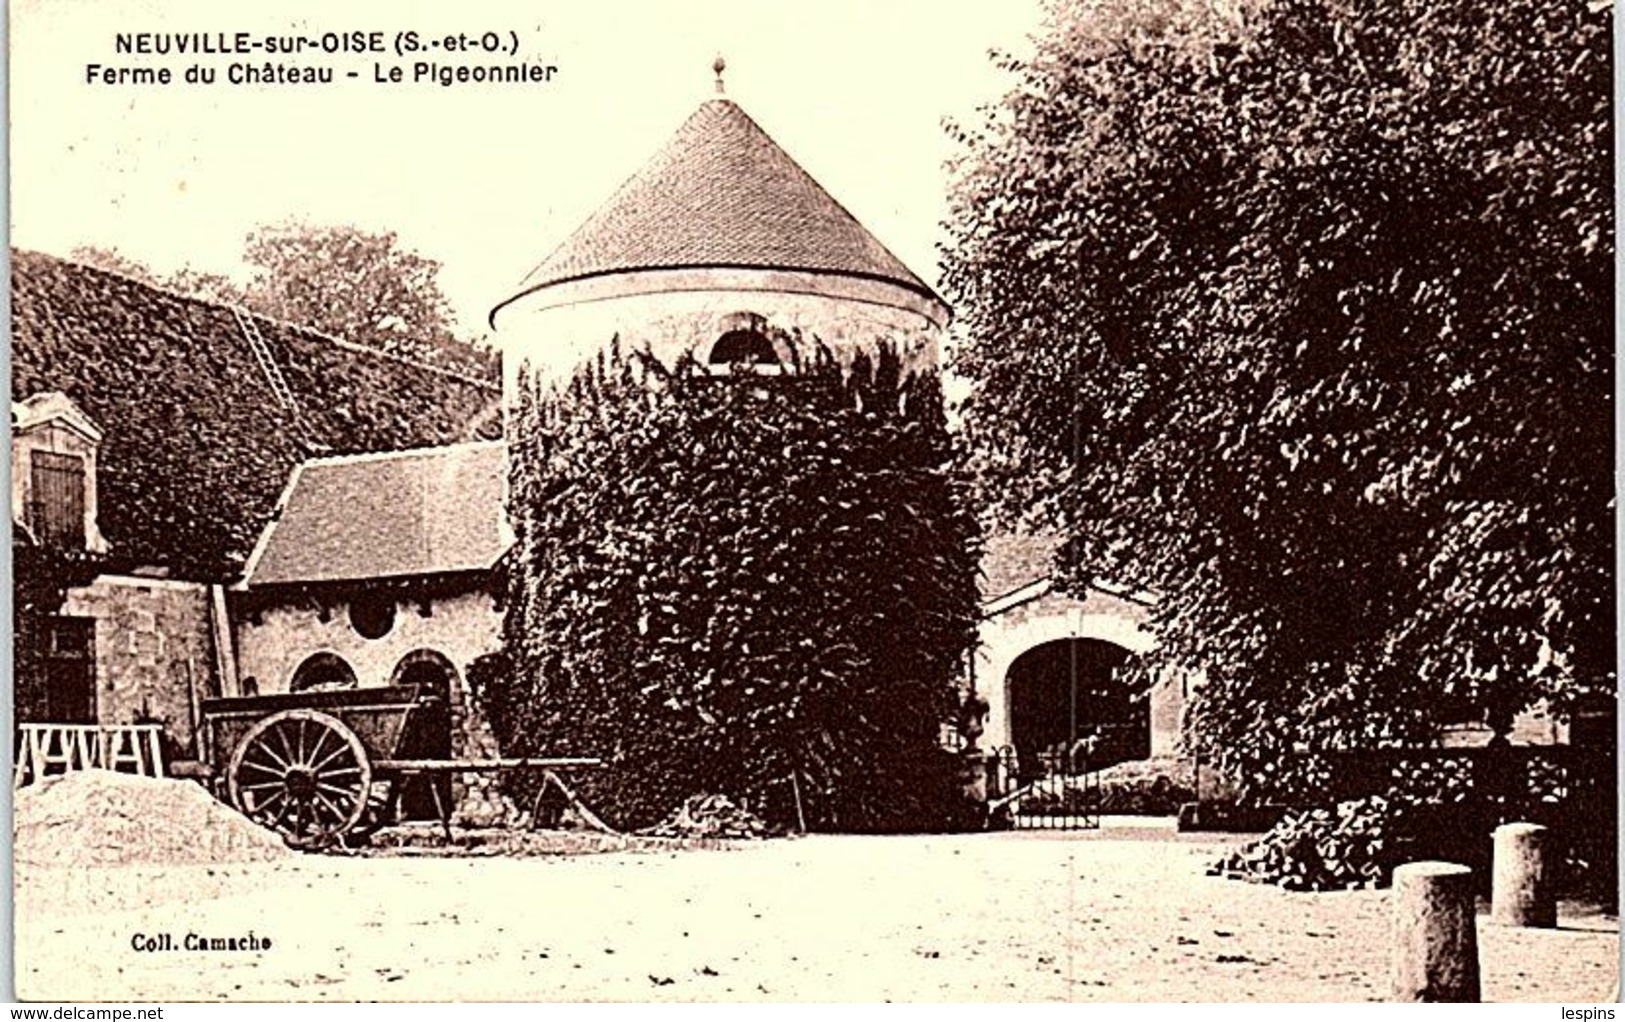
(196, 448)
(421, 512)
(721, 193)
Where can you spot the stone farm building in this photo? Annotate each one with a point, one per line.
(219, 467)
(272, 510)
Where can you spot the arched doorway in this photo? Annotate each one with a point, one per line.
(322, 672)
(1069, 706)
(428, 734)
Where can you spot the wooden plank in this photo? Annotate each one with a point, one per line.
(36, 756)
(365, 697)
(586, 814)
(156, 750)
(430, 766)
(225, 660)
(82, 738)
(120, 756)
(43, 756)
(198, 734)
(21, 770)
(87, 746)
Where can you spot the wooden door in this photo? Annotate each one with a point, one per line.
(57, 504)
(68, 671)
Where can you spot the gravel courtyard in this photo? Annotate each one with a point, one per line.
(1119, 915)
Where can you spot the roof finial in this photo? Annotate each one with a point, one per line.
(719, 65)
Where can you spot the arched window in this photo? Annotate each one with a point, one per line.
(322, 671)
(743, 348)
(424, 667)
(372, 616)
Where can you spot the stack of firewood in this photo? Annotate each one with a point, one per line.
(1349, 845)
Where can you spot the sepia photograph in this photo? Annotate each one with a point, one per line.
(726, 501)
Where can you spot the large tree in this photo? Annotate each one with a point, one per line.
(1299, 314)
(360, 285)
(757, 587)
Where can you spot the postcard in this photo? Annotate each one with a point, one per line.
(726, 501)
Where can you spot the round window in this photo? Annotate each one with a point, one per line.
(372, 617)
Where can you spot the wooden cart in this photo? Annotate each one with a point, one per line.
(317, 766)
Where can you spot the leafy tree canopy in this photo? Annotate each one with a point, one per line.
(114, 261)
(359, 285)
(1299, 314)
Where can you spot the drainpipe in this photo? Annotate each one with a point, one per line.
(225, 650)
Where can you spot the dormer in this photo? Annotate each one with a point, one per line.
(53, 472)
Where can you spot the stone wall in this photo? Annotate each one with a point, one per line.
(1037, 615)
(272, 641)
(1020, 624)
(154, 647)
(550, 342)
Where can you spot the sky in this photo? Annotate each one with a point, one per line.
(485, 179)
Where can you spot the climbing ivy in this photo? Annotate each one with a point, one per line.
(757, 586)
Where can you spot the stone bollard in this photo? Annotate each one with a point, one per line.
(1435, 933)
(1521, 889)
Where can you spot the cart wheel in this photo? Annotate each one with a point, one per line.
(303, 774)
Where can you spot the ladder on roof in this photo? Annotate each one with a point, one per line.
(302, 432)
(268, 366)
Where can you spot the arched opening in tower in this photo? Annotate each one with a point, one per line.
(1071, 709)
(743, 347)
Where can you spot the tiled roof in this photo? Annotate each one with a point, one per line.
(721, 193)
(196, 447)
(422, 512)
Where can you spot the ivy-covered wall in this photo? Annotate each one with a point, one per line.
(762, 587)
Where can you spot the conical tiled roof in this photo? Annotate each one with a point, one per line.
(721, 193)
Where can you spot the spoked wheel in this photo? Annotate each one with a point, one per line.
(303, 774)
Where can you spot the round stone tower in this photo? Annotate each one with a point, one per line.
(723, 247)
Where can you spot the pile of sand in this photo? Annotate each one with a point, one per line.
(103, 818)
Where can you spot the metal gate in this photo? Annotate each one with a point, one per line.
(1059, 790)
